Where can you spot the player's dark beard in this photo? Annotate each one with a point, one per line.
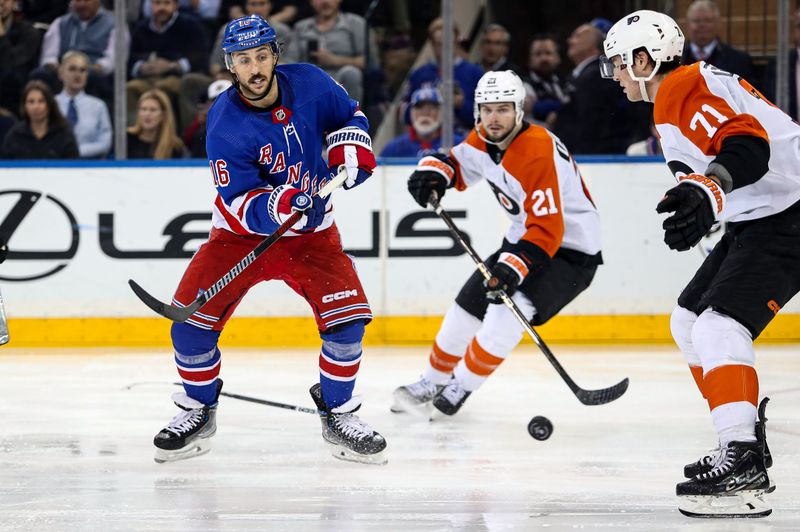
(266, 91)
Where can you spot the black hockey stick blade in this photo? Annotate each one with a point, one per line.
(601, 397)
(177, 314)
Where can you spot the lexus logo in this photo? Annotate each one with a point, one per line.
(26, 204)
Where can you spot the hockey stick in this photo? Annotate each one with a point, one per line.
(181, 314)
(3, 323)
(587, 397)
(245, 398)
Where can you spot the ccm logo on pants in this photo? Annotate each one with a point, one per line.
(339, 295)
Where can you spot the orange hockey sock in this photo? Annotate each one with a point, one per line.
(441, 361)
(730, 384)
(479, 361)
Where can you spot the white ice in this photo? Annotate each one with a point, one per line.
(76, 451)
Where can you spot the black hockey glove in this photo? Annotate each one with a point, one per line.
(697, 202)
(434, 173)
(507, 274)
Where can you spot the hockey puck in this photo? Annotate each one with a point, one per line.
(540, 428)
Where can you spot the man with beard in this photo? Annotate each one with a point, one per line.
(547, 91)
(424, 136)
(264, 146)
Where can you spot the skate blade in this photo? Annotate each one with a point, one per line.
(742, 504)
(402, 404)
(196, 448)
(348, 455)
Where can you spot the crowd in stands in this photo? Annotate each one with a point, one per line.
(57, 61)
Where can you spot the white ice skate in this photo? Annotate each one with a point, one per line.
(415, 398)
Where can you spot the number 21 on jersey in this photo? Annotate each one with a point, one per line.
(543, 202)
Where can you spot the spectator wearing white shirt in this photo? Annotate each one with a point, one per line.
(87, 116)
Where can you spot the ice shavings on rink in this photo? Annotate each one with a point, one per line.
(76, 449)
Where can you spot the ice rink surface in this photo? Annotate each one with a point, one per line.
(76, 448)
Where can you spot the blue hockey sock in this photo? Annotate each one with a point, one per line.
(339, 361)
(198, 361)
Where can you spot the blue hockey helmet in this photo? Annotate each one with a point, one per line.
(248, 32)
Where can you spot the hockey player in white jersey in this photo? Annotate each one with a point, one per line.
(549, 254)
(737, 159)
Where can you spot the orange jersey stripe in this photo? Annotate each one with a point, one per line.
(479, 361)
(442, 361)
(685, 101)
(731, 384)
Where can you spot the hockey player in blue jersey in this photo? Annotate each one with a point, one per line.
(264, 143)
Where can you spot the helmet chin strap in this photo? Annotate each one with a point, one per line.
(643, 88)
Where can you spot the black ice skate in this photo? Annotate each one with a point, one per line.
(189, 433)
(351, 438)
(450, 398)
(734, 487)
(415, 398)
(706, 463)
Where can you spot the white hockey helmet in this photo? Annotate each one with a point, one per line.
(655, 32)
(498, 87)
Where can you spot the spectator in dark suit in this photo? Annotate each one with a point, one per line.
(548, 94)
(703, 43)
(169, 51)
(19, 49)
(43, 133)
(495, 43)
(45, 11)
(590, 122)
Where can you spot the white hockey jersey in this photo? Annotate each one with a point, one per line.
(538, 184)
(698, 106)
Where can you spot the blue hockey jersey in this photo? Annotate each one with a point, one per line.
(252, 150)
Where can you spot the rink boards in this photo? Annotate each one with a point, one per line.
(80, 231)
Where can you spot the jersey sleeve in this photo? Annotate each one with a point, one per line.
(533, 162)
(703, 109)
(467, 156)
(242, 191)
